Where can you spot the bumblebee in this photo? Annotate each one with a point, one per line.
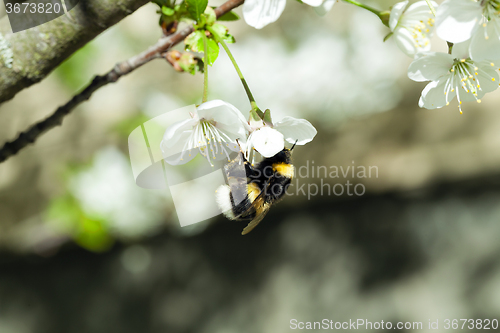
(252, 190)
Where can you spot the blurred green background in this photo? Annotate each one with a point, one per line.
(83, 249)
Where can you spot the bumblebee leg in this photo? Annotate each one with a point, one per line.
(241, 151)
(250, 170)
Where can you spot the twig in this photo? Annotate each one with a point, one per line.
(164, 44)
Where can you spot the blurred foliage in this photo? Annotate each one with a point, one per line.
(126, 126)
(66, 215)
(73, 72)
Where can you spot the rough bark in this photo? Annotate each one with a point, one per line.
(28, 56)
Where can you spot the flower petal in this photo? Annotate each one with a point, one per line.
(396, 12)
(175, 133)
(468, 96)
(296, 129)
(227, 118)
(456, 19)
(220, 110)
(181, 158)
(177, 150)
(325, 7)
(406, 43)
(267, 141)
(461, 50)
(486, 81)
(487, 78)
(485, 43)
(259, 13)
(418, 10)
(433, 95)
(314, 3)
(430, 66)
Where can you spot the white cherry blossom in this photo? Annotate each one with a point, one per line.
(211, 132)
(412, 27)
(269, 140)
(452, 75)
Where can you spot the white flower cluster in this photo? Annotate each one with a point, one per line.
(217, 125)
(472, 30)
(470, 27)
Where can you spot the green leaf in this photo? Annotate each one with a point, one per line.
(212, 51)
(167, 11)
(229, 16)
(196, 8)
(210, 15)
(219, 30)
(222, 32)
(194, 41)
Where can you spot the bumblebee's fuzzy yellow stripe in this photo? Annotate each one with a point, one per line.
(284, 169)
(253, 191)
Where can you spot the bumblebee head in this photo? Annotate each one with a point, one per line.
(290, 150)
(284, 156)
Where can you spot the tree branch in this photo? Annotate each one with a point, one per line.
(35, 52)
(120, 69)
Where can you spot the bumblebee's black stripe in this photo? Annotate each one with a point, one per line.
(271, 182)
(276, 189)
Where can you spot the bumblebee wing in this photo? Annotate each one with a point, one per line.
(236, 174)
(261, 207)
(246, 198)
(256, 220)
